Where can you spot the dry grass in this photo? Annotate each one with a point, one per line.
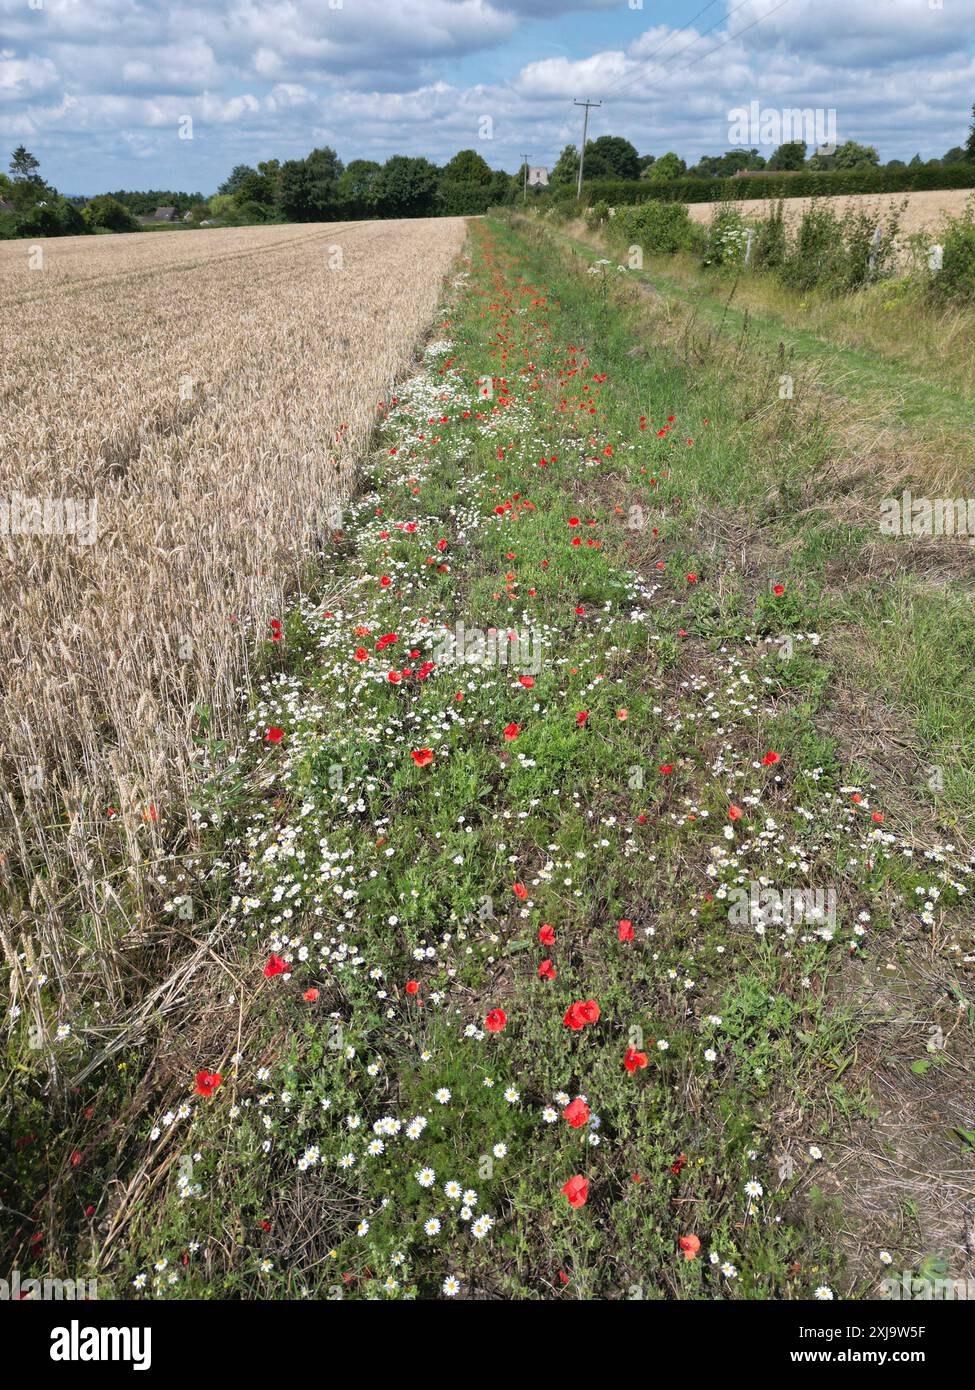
(211, 392)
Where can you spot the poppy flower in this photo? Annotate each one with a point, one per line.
(310, 995)
(412, 987)
(361, 654)
(626, 930)
(274, 734)
(276, 965)
(577, 1113)
(634, 1059)
(577, 1191)
(581, 717)
(385, 581)
(207, 1082)
(520, 891)
(511, 732)
(877, 816)
(546, 934)
(771, 758)
(735, 813)
(689, 1246)
(546, 971)
(666, 769)
(527, 681)
(580, 1013)
(496, 1021)
(778, 590)
(422, 756)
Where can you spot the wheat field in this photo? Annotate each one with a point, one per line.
(181, 418)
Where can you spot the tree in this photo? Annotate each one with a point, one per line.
(566, 168)
(406, 187)
(615, 154)
(850, 155)
(467, 167)
(292, 191)
(238, 174)
(322, 170)
(788, 157)
(23, 166)
(357, 185)
(668, 167)
(970, 142)
(108, 213)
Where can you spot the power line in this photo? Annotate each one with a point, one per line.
(654, 86)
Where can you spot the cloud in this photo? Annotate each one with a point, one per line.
(95, 84)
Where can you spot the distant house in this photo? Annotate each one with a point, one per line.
(165, 215)
(537, 176)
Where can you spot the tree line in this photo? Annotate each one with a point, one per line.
(321, 187)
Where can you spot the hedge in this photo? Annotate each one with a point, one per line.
(620, 192)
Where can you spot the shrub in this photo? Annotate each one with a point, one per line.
(727, 238)
(956, 278)
(661, 228)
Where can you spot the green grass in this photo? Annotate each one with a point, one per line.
(334, 849)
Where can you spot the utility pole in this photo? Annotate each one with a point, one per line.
(585, 127)
(525, 158)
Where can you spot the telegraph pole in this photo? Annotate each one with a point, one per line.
(525, 158)
(585, 127)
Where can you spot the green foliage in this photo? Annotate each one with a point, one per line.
(108, 214)
(790, 156)
(955, 280)
(657, 227)
(467, 167)
(726, 239)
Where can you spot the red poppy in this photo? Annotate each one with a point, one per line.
(771, 759)
(511, 732)
(520, 891)
(580, 1013)
(207, 1082)
(274, 734)
(577, 1191)
(735, 813)
(577, 1113)
(496, 1020)
(778, 590)
(412, 987)
(361, 654)
(527, 681)
(546, 970)
(666, 768)
(310, 995)
(581, 717)
(626, 930)
(546, 935)
(276, 965)
(689, 1245)
(422, 756)
(634, 1059)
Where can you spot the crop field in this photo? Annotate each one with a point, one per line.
(490, 807)
(180, 422)
(920, 212)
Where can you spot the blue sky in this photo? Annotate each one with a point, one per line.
(100, 90)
